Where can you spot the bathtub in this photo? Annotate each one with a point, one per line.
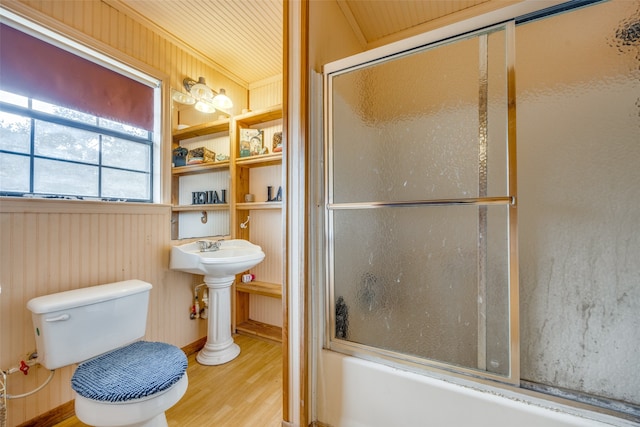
(353, 392)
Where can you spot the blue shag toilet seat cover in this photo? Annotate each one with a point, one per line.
(138, 370)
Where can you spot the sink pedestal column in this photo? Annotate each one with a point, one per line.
(220, 347)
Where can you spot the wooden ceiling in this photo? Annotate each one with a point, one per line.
(243, 38)
(374, 21)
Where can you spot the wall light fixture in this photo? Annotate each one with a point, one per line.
(205, 99)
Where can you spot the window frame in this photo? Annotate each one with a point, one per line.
(83, 46)
(37, 116)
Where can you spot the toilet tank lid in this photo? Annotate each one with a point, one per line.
(86, 296)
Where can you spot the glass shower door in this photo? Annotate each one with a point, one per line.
(420, 207)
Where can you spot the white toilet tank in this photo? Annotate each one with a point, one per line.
(74, 326)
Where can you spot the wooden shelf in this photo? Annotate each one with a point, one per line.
(240, 170)
(259, 116)
(272, 290)
(199, 208)
(260, 160)
(199, 168)
(259, 205)
(209, 128)
(259, 329)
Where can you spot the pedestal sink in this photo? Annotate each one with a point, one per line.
(219, 262)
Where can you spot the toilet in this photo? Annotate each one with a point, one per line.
(120, 380)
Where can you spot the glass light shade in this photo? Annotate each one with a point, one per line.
(222, 101)
(200, 90)
(183, 98)
(205, 107)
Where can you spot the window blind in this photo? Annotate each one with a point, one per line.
(37, 69)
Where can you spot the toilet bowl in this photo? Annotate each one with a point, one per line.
(144, 412)
(131, 386)
(120, 380)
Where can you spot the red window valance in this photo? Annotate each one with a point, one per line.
(40, 70)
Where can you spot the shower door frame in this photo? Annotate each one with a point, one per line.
(391, 357)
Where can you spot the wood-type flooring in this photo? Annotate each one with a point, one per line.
(246, 392)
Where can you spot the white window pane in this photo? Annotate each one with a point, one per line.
(14, 173)
(121, 127)
(62, 142)
(125, 184)
(14, 133)
(12, 98)
(63, 112)
(54, 177)
(125, 154)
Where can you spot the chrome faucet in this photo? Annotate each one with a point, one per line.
(208, 245)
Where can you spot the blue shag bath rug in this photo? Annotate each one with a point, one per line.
(132, 372)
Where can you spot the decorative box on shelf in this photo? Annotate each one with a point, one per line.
(180, 156)
(200, 155)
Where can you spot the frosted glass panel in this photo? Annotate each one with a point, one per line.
(409, 128)
(412, 286)
(430, 282)
(579, 188)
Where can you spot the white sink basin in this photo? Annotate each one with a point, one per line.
(219, 268)
(233, 257)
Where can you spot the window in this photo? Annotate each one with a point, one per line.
(48, 150)
(72, 126)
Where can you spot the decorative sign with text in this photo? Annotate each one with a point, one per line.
(208, 197)
(278, 196)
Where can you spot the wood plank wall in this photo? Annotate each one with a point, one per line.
(265, 93)
(266, 231)
(52, 246)
(102, 22)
